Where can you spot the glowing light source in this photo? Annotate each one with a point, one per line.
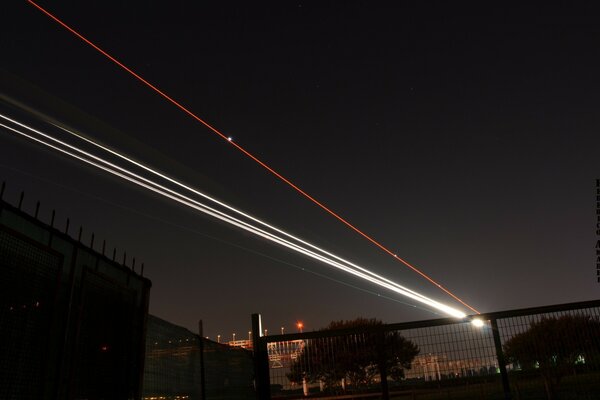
(477, 322)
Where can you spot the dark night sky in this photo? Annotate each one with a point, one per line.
(464, 139)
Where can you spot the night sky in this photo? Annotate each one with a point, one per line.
(466, 140)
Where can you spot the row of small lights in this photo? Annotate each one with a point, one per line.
(477, 322)
(299, 326)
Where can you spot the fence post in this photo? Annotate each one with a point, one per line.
(262, 380)
(381, 352)
(500, 357)
(202, 366)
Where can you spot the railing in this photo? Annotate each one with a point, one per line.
(550, 352)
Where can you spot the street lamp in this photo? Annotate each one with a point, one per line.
(249, 336)
(300, 326)
(266, 330)
(282, 330)
(234, 337)
(218, 338)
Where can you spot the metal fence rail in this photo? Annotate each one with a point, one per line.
(550, 352)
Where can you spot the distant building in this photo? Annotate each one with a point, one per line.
(244, 344)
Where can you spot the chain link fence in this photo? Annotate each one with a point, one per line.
(71, 320)
(541, 353)
(182, 365)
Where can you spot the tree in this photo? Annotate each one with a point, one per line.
(353, 358)
(554, 347)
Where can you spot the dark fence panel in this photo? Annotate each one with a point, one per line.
(71, 320)
(553, 354)
(229, 372)
(172, 369)
(176, 357)
(29, 281)
(550, 352)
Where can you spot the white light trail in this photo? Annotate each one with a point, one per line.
(220, 203)
(326, 257)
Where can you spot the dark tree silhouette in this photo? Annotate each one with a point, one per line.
(554, 347)
(353, 358)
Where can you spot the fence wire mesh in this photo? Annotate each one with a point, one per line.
(553, 354)
(28, 285)
(182, 366)
(550, 352)
(71, 320)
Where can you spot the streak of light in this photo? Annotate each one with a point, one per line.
(220, 203)
(215, 238)
(253, 157)
(147, 181)
(168, 193)
(192, 190)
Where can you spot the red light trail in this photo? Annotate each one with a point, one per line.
(250, 155)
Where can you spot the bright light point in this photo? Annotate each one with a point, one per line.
(477, 323)
(230, 138)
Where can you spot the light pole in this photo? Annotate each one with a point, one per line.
(282, 330)
(234, 337)
(249, 337)
(218, 338)
(266, 330)
(300, 326)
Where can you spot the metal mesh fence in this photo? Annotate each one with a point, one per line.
(553, 354)
(181, 365)
(172, 369)
(105, 362)
(29, 282)
(229, 372)
(550, 352)
(71, 320)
